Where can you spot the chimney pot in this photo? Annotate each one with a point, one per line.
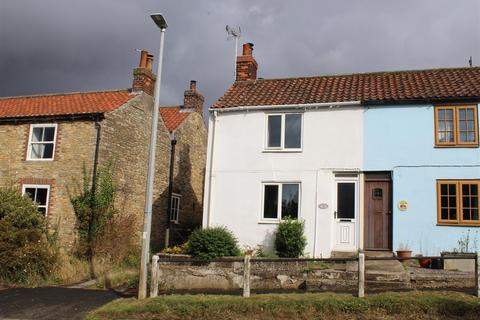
(143, 59)
(193, 85)
(149, 64)
(247, 49)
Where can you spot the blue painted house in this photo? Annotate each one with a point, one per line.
(373, 161)
(430, 150)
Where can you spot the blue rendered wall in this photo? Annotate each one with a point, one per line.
(400, 139)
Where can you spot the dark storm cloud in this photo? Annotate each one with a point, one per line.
(60, 46)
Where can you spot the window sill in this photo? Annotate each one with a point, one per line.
(268, 222)
(39, 160)
(465, 225)
(447, 146)
(282, 151)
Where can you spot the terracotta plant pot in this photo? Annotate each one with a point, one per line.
(404, 254)
(424, 263)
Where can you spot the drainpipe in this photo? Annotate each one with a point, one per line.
(173, 142)
(210, 153)
(98, 127)
(92, 200)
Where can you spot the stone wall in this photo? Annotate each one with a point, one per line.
(283, 275)
(264, 276)
(189, 168)
(124, 141)
(75, 148)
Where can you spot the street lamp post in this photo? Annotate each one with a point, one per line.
(147, 223)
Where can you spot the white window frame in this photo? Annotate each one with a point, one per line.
(177, 209)
(279, 201)
(282, 133)
(29, 149)
(39, 186)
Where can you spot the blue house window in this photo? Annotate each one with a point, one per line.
(456, 126)
(458, 202)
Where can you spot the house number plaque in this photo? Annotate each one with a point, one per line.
(323, 206)
(403, 205)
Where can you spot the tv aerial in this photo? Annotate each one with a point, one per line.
(234, 33)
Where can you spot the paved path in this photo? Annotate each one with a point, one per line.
(51, 303)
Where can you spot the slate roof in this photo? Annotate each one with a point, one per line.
(63, 104)
(173, 116)
(374, 88)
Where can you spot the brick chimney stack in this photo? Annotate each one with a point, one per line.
(143, 77)
(246, 64)
(192, 99)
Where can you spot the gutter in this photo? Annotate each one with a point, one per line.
(290, 106)
(62, 117)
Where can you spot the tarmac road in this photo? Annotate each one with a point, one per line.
(51, 302)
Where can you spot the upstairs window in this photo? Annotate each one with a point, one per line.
(456, 126)
(39, 194)
(284, 131)
(175, 208)
(280, 200)
(458, 202)
(41, 142)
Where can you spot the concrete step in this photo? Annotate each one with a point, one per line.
(379, 253)
(344, 254)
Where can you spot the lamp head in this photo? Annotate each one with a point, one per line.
(159, 20)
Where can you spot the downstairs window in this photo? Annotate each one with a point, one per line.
(280, 200)
(458, 202)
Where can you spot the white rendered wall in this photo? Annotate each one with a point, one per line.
(332, 141)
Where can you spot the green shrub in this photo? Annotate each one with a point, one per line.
(26, 256)
(290, 240)
(93, 211)
(212, 243)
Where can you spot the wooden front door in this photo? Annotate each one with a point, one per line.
(378, 215)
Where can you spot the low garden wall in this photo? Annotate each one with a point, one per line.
(180, 273)
(266, 275)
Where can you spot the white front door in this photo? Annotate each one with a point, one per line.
(346, 215)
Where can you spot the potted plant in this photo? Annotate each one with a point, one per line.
(424, 262)
(404, 251)
(467, 245)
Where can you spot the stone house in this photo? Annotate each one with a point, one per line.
(47, 140)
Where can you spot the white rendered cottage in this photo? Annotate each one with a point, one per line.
(268, 161)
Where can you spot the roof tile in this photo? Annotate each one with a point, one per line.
(173, 116)
(63, 104)
(378, 87)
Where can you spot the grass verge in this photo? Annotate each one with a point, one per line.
(406, 305)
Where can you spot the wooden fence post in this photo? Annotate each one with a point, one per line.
(246, 276)
(154, 279)
(361, 275)
(477, 274)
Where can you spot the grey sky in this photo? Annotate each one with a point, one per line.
(69, 45)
